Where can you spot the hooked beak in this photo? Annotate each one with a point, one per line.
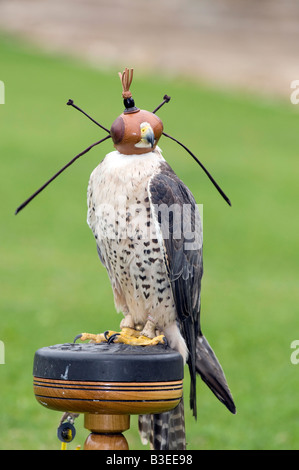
(147, 136)
(150, 137)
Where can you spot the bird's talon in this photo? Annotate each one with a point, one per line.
(112, 338)
(77, 337)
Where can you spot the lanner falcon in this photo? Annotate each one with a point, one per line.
(149, 238)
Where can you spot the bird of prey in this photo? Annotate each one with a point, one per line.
(149, 238)
(148, 233)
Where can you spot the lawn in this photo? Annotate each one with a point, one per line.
(53, 286)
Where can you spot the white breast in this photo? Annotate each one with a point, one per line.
(117, 182)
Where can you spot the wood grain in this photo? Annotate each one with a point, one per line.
(108, 397)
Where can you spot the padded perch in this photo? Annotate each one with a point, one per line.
(108, 383)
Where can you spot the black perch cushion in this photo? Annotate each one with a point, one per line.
(108, 363)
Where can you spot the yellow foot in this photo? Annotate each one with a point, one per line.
(100, 338)
(125, 336)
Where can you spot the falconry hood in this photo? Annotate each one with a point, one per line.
(135, 131)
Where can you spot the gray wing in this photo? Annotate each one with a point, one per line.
(177, 216)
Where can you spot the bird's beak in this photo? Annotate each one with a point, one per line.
(150, 137)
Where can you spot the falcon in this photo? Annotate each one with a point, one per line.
(148, 234)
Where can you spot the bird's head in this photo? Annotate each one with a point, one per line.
(135, 131)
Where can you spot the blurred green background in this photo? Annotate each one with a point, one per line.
(54, 287)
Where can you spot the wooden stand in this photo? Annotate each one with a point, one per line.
(106, 431)
(108, 383)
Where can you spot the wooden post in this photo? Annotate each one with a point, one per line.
(106, 431)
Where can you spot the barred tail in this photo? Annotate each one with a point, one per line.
(164, 431)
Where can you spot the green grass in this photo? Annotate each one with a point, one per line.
(53, 286)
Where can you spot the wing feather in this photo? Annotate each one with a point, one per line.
(177, 215)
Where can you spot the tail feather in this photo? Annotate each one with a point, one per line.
(210, 370)
(144, 428)
(164, 431)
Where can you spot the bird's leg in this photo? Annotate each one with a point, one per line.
(149, 329)
(127, 322)
(128, 327)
